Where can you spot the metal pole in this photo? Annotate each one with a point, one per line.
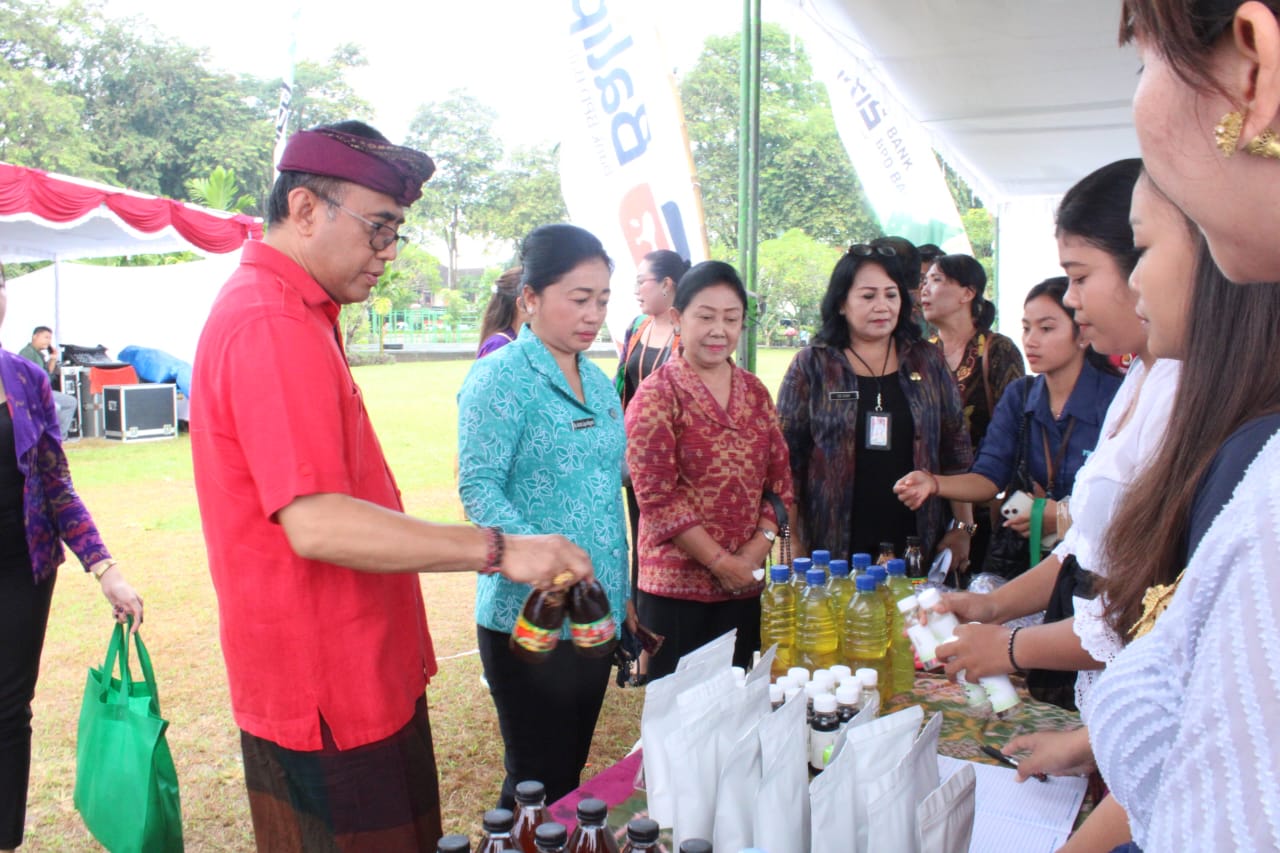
(749, 173)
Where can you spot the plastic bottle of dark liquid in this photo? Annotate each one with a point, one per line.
(591, 620)
(695, 845)
(538, 627)
(531, 811)
(497, 833)
(454, 844)
(549, 837)
(886, 553)
(642, 834)
(591, 835)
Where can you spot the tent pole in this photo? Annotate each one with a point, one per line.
(749, 173)
(57, 299)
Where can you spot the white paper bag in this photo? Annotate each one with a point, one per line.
(740, 775)
(892, 799)
(782, 801)
(876, 749)
(831, 793)
(694, 750)
(658, 721)
(945, 818)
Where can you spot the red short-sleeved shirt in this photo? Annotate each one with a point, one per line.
(275, 415)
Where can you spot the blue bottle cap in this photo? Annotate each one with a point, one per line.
(801, 565)
(861, 561)
(816, 577)
(840, 568)
(821, 557)
(866, 583)
(879, 573)
(897, 566)
(779, 574)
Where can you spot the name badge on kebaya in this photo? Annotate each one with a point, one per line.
(879, 431)
(583, 423)
(842, 396)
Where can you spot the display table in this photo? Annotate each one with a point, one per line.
(963, 735)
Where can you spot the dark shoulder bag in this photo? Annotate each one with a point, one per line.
(1009, 554)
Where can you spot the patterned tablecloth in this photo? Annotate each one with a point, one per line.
(962, 736)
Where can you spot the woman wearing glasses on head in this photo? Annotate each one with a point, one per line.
(863, 405)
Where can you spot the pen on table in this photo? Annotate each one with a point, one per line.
(1012, 762)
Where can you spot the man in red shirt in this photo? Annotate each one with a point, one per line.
(314, 562)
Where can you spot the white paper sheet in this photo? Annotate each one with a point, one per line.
(1030, 817)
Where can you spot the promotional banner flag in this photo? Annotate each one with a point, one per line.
(625, 166)
(890, 152)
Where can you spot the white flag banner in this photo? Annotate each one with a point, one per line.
(889, 150)
(625, 167)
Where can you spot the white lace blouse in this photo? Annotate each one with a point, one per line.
(1104, 476)
(1186, 720)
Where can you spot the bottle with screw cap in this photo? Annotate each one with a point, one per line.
(886, 553)
(839, 588)
(822, 731)
(537, 629)
(642, 834)
(822, 560)
(497, 832)
(778, 619)
(454, 844)
(902, 659)
(861, 562)
(917, 572)
(870, 679)
(848, 697)
(531, 811)
(591, 835)
(800, 567)
(591, 624)
(922, 639)
(695, 845)
(549, 837)
(817, 642)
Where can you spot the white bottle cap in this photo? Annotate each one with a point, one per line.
(776, 694)
(848, 694)
(824, 704)
(738, 672)
(908, 604)
(825, 677)
(799, 674)
(813, 689)
(928, 598)
(841, 672)
(869, 677)
(785, 681)
(790, 692)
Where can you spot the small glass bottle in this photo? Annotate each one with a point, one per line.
(531, 811)
(454, 844)
(642, 834)
(822, 731)
(497, 832)
(537, 629)
(886, 553)
(917, 571)
(591, 623)
(591, 835)
(847, 698)
(549, 837)
(777, 695)
(870, 679)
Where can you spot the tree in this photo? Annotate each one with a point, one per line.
(980, 226)
(220, 191)
(322, 93)
(523, 195)
(806, 180)
(458, 134)
(792, 277)
(40, 126)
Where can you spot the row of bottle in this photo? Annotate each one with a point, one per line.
(591, 622)
(531, 830)
(833, 696)
(834, 618)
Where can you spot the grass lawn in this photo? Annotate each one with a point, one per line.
(143, 500)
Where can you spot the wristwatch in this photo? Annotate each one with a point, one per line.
(956, 524)
(768, 534)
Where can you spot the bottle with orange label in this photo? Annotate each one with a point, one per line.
(538, 626)
(591, 622)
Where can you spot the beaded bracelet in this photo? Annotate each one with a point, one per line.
(495, 550)
(1012, 636)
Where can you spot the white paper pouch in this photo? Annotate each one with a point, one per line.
(782, 800)
(719, 651)
(740, 775)
(876, 749)
(694, 751)
(831, 803)
(659, 720)
(945, 817)
(892, 799)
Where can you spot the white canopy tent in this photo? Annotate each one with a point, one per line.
(1021, 98)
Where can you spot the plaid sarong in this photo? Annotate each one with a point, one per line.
(383, 796)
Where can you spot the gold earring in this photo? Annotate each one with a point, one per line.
(1226, 133)
(1265, 144)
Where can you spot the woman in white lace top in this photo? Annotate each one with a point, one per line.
(1185, 723)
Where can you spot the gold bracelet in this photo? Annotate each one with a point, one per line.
(98, 573)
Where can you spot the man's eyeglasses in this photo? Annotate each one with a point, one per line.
(866, 250)
(383, 235)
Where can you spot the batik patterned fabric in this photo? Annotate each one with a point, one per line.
(819, 411)
(693, 462)
(1004, 364)
(533, 459)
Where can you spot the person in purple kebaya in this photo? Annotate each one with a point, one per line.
(39, 510)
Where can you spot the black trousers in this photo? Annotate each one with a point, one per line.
(688, 625)
(24, 615)
(547, 713)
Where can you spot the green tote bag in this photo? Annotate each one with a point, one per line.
(126, 785)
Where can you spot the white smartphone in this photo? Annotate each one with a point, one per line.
(1018, 504)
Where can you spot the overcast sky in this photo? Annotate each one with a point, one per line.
(418, 50)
